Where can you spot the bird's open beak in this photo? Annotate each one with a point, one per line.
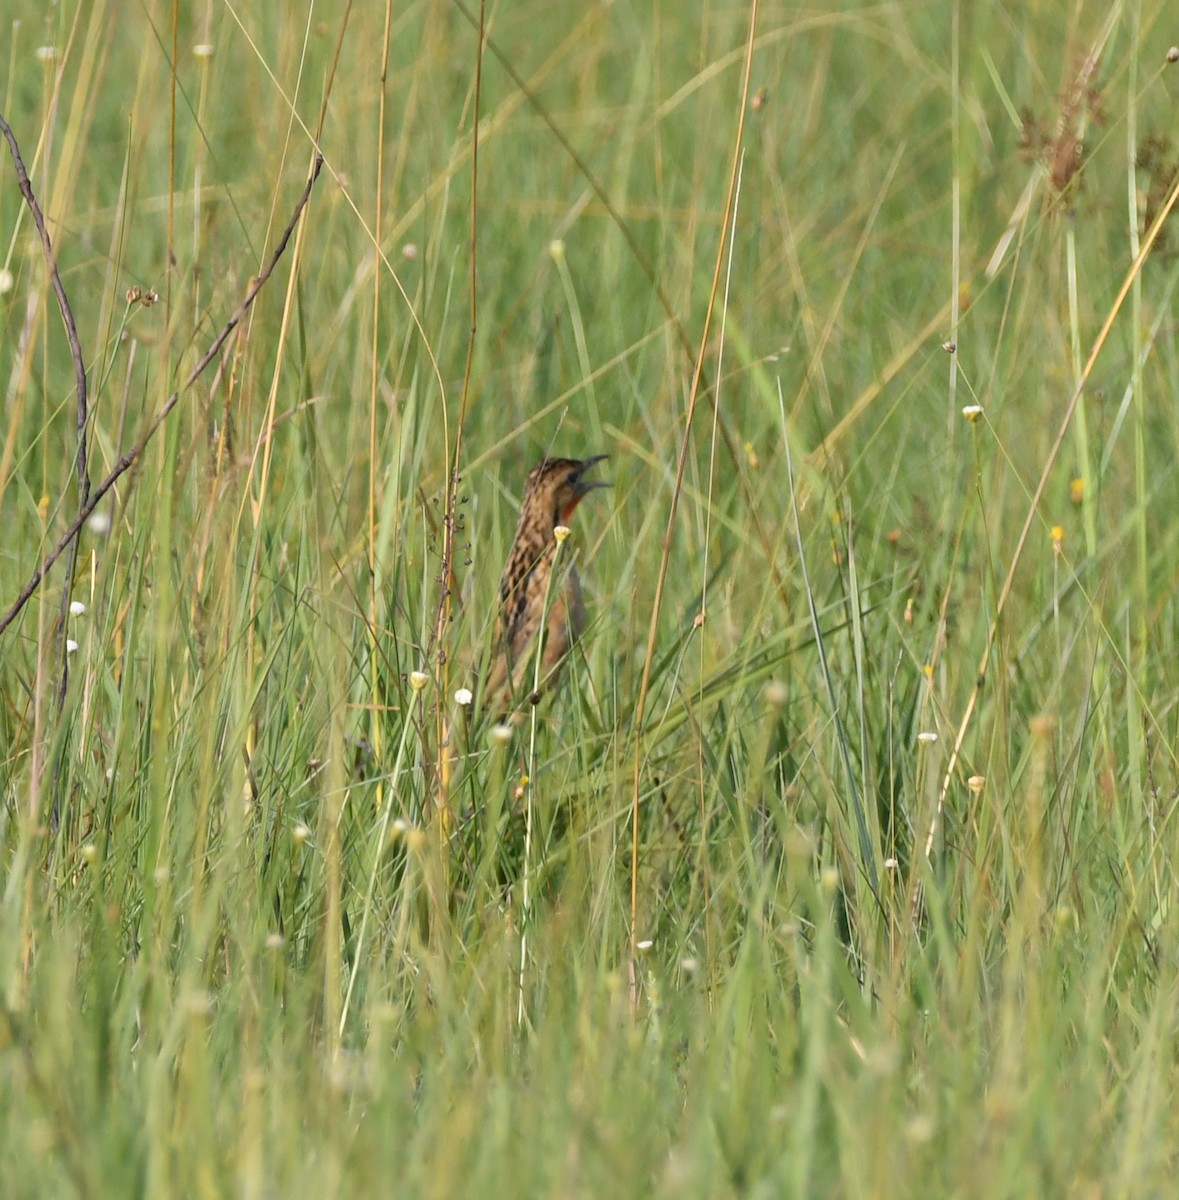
(583, 485)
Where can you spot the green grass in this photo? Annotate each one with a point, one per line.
(241, 952)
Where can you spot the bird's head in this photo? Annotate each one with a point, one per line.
(557, 486)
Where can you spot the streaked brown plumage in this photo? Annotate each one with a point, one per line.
(554, 489)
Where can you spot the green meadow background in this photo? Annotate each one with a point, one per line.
(886, 697)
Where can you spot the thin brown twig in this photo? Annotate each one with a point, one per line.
(645, 264)
(132, 456)
(450, 503)
(665, 555)
(81, 462)
(67, 313)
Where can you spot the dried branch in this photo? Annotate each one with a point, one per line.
(67, 313)
(81, 462)
(132, 456)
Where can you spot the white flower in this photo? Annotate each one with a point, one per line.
(972, 412)
(202, 50)
(500, 735)
(7, 281)
(99, 522)
(77, 608)
(463, 697)
(557, 250)
(45, 53)
(927, 735)
(418, 680)
(561, 533)
(71, 645)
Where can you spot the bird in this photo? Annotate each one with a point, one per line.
(528, 592)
